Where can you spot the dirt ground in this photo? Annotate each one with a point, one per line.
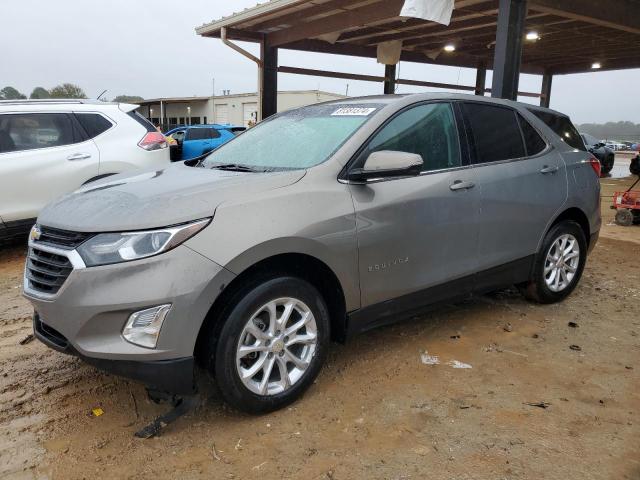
(376, 411)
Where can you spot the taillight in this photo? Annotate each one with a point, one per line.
(595, 164)
(153, 141)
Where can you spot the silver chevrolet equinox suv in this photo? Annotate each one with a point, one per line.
(317, 224)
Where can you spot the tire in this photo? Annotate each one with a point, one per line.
(624, 217)
(607, 165)
(634, 167)
(538, 288)
(274, 347)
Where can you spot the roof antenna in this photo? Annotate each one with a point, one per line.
(101, 95)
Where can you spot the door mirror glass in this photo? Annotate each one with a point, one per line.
(388, 163)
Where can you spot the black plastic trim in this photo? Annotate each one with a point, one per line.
(16, 228)
(401, 308)
(593, 239)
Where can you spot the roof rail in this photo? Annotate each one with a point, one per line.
(54, 101)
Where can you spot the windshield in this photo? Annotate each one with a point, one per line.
(297, 139)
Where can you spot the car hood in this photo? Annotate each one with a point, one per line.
(156, 198)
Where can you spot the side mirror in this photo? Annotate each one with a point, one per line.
(388, 163)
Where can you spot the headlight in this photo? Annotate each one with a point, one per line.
(122, 247)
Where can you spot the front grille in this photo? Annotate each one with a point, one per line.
(61, 238)
(46, 272)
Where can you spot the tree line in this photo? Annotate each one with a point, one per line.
(64, 90)
(612, 130)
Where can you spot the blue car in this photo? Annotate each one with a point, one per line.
(195, 140)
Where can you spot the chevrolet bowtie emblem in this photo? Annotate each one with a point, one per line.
(35, 233)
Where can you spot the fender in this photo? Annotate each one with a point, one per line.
(339, 262)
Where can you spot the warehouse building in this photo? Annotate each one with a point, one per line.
(236, 109)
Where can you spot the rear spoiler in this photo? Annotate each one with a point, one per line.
(127, 107)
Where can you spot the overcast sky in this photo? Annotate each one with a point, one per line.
(149, 48)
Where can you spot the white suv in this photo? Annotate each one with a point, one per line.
(52, 147)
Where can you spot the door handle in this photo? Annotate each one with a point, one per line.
(78, 156)
(549, 169)
(460, 185)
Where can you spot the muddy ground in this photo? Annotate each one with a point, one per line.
(376, 411)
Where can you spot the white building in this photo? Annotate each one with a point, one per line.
(236, 109)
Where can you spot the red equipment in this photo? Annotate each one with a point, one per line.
(627, 204)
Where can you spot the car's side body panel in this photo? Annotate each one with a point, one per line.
(33, 178)
(414, 233)
(282, 218)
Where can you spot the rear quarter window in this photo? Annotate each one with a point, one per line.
(93, 123)
(562, 127)
(142, 121)
(533, 142)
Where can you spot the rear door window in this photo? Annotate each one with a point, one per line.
(495, 132)
(533, 142)
(31, 131)
(562, 126)
(93, 123)
(198, 134)
(214, 133)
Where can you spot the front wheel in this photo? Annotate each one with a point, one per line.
(272, 345)
(559, 264)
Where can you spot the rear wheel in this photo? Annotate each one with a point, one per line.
(272, 345)
(624, 217)
(559, 264)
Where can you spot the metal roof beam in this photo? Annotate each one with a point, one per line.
(304, 14)
(375, 78)
(619, 14)
(359, 16)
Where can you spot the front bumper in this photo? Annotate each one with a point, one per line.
(87, 314)
(175, 376)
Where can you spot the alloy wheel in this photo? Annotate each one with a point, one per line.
(561, 263)
(276, 346)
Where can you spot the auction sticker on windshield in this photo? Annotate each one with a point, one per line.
(353, 111)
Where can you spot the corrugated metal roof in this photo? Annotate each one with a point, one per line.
(260, 10)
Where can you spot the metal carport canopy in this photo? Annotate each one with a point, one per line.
(575, 36)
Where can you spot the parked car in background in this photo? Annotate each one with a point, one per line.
(196, 140)
(613, 145)
(318, 223)
(52, 147)
(604, 154)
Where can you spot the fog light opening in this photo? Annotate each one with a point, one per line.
(143, 327)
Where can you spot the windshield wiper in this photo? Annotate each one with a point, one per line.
(236, 167)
